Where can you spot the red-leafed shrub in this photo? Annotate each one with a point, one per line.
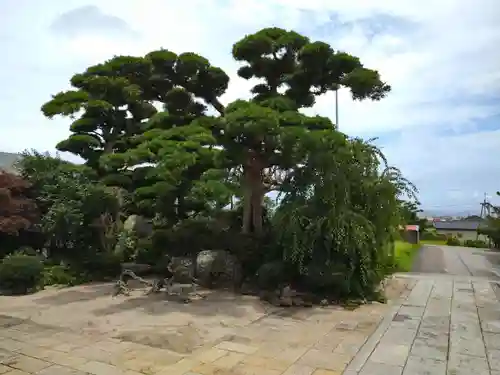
(17, 211)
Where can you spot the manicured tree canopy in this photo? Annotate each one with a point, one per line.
(174, 159)
(261, 135)
(116, 102)
(109, 104)
(253, 141)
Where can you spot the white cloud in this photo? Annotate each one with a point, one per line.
(440, 67)
(450, 170)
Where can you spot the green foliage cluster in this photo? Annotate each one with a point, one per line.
(409, 211)
(456, 241)
(158, 142)
(431, 234)
(453, 241)
(59, 275)
(78, 223)
(20, 274)
(79, 214)
(476, 243)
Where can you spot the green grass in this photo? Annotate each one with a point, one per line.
(404, 254)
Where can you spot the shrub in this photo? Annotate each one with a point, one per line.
(271, 275)
(58, 275)
(78, 214)
(327, 279)
(453, 241)
(26, 250)
(126, 244)
(17, 211)
(180, 240)
(20, 274)
(160, 240)
(476, 243)
(432, 235)
(101, 266)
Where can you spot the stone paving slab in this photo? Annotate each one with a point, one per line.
(83, 330)
(442, 325)
(446, 326)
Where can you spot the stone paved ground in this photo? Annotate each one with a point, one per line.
(447, 325)
(457, 260)
(83, 330)
(442, 325)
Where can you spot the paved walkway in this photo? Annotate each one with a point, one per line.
(458, 260)
(448, 325)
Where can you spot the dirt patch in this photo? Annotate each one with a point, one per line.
(9, 321)
(395, 288)
(182, 340)
(79, 294)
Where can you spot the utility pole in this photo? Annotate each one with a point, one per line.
(485, 210)
(485, 207)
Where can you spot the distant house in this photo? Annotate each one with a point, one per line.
(411, 233)
(466, 229)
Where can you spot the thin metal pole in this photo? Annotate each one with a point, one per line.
(337, 108)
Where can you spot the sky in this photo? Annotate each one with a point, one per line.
(440, 124)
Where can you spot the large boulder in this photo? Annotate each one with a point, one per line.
(218, 266)
(184, 269)
(138, 225)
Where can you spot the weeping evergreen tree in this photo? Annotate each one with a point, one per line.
(339, 214)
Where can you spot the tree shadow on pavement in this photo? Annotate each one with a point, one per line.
(215, 303)
(76, 294)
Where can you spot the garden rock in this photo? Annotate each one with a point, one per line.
(183, 269)
(138, 225)
(218, 264)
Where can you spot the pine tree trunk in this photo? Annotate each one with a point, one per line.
(247, 207)
(257, 210)
(253, 197)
